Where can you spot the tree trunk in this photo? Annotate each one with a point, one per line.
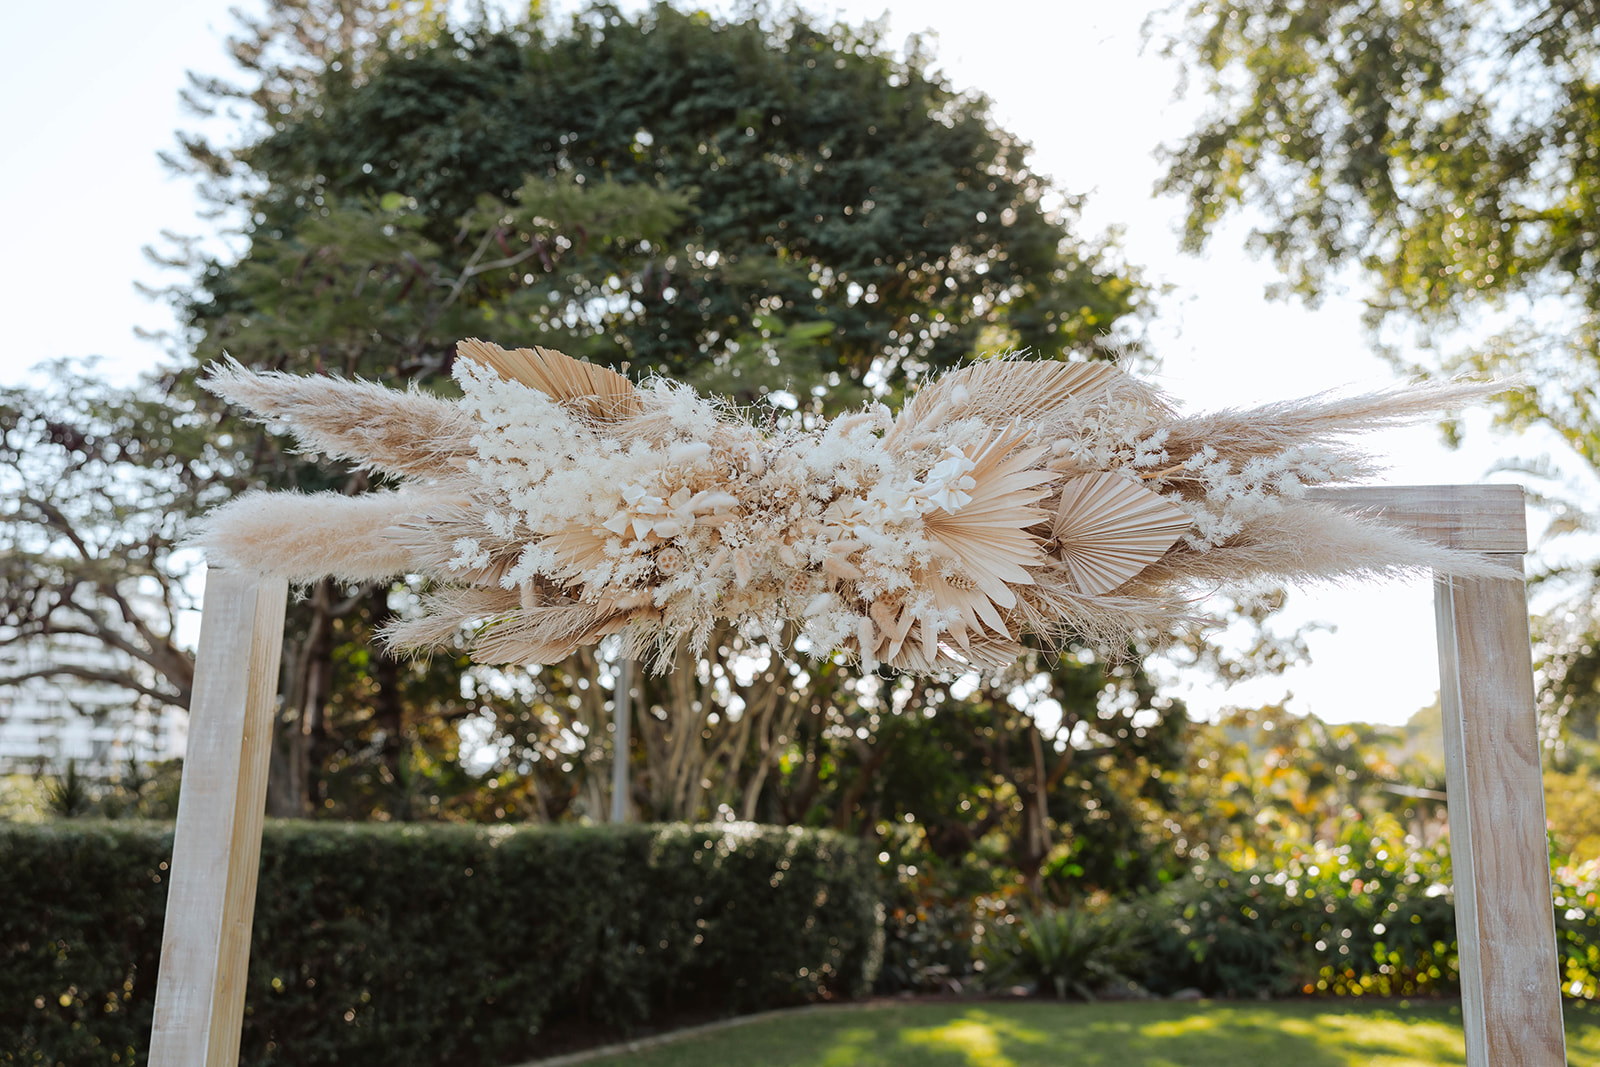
(308, 672)
(388, 709)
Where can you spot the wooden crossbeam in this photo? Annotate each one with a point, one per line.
(1478, 518)
(1505, 923)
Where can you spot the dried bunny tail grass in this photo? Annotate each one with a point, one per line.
(598, 392)
(1274, 428)
(542, 634)
(438, 539)
(306, 537)
(384, 429)
(446, 612)
(1308, 543)
(1058, 614)
(1005, 389)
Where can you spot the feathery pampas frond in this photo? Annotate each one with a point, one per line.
(381, 429)
(558, 502)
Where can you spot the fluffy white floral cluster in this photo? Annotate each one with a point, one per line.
(685, 513)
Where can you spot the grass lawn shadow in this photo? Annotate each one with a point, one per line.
(1125, 1034)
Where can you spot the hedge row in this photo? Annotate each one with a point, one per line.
(435, 945)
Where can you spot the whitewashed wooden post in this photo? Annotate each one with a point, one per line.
(1505, 922)
(216, 854)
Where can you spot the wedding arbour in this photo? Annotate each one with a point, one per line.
(558, 503)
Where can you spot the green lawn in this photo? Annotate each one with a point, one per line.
(1137, 1034)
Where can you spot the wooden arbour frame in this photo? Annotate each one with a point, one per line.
(1511, 995)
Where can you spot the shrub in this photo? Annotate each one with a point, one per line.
(1366, 916)
(1074, 949)
(1577, 898)
(935, 913)
(427, 944)
(1218, 933)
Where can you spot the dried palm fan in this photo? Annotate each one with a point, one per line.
(558, 502)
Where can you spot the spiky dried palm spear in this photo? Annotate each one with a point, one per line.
(557, 502)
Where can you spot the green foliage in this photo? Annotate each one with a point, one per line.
(24, 798)
(979, 776)
(832, 184)
(139, 791)
(1264, 778)
(1449, 150)
(1369, 915)
(1447, 146)
(80, 939)
(435, 945)
(1078, 950)
(68, 796)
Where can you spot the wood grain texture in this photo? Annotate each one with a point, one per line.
(216, 852)
(1505, 926)
(1478, 518)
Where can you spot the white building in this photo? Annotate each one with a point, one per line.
(47, 722)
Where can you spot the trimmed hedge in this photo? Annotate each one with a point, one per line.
(437, 945)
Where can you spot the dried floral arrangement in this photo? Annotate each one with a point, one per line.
(558, 502)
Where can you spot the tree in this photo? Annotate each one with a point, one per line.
(1448, 151)
(97, 484)
(1447, 148)
(832, 184)
(755, 206)
(1057, 768)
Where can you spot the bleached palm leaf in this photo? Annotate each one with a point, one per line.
(999, 390)
(986, 539)
(597, 391)
(1107, 529)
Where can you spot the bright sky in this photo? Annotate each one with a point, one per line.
(82, 192)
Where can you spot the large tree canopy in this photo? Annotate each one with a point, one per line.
(817, 183)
